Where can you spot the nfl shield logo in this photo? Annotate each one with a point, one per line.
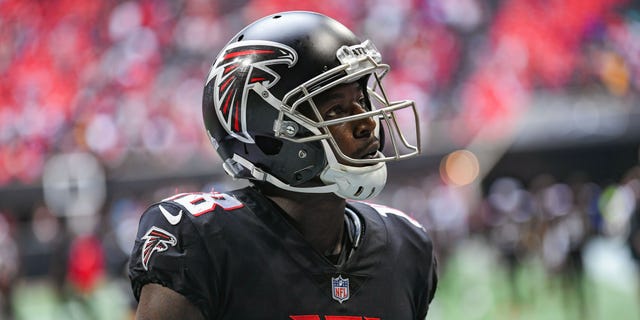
(340, 288)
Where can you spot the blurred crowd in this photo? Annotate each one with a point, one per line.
(123, 79)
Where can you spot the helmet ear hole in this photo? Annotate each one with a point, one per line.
(268, 145)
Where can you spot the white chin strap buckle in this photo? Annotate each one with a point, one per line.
(356, 183)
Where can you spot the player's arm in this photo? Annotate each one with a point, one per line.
(158, 303)
(159, 256)
(430, 288)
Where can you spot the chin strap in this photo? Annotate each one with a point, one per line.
(356, 183)
(260, 175)
(359, 184)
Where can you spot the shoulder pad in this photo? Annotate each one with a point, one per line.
(384, 211)
(199, 203)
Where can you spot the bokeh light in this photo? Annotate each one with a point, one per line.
(460, 167)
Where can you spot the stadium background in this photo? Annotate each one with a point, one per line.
(528, 183)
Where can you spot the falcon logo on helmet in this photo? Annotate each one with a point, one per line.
(236, 71)
(156, 240)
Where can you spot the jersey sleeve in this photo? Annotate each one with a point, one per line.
(429, 288)
(165, 236)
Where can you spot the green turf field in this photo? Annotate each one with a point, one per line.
(475, 286)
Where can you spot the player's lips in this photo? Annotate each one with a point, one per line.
(371, 151)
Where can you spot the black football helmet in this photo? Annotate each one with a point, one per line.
(259, 111)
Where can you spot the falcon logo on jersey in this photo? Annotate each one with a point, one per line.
(238, 68)
(340, 288)
(156, 240)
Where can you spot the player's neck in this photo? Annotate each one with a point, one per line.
(319, 217)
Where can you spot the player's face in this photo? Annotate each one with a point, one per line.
(356, 138)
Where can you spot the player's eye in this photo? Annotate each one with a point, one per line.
(335, 112)
(363, 103)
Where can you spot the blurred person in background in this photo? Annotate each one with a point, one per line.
(9, 266)
(579, 230)
(634, 242)
(294, 104)
(633, 239)
(511, 220)
(562, 233)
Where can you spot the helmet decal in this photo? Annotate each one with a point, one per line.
(238, 68)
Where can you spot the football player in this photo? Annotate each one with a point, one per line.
(294, 104)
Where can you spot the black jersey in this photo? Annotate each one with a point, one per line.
(236, 256)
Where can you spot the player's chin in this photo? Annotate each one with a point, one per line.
(365, 161)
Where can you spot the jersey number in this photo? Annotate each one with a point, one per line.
(199, 203)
